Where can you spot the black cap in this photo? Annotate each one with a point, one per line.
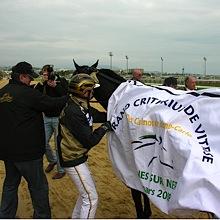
(24, 68)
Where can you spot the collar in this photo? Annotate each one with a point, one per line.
(80, 101)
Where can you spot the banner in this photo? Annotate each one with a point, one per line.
(166, 143)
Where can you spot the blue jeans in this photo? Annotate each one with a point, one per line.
(51, 127)
(33, 173)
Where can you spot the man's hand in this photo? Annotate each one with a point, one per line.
(51, 83)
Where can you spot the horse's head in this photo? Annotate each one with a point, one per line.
(107, 78)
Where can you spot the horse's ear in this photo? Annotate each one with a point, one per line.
(95, 64)
(76, 65)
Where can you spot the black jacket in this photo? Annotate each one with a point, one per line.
(76, 136)
(57, 91)
(22, 133)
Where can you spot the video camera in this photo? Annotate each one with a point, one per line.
(49, 69)
(51, 76)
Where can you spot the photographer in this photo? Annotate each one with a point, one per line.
(51, 86)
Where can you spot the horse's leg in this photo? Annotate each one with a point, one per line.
(147, 208)
(136, 195)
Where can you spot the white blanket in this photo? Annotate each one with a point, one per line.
(166, 143)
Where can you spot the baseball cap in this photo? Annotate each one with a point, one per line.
(25, 68)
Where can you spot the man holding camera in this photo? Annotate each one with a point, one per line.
(51, 87)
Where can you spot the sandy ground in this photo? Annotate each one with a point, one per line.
(114, 197)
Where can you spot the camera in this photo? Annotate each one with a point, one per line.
(49, 69)
(51, 76)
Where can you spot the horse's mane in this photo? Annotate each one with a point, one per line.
(112, 74)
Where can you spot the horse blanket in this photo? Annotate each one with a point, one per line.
(166, 143)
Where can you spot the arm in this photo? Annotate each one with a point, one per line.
(57, 88)
(98, 117)
(41, 102)
(77, 124)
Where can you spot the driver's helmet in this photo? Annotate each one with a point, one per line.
(81, 83)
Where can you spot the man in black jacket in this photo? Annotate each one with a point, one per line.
(23, 140)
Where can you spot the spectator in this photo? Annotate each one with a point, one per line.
(51, 88)
(190, 83)
(137, 75)
(170, 82)
(74, 143)
(23, 141)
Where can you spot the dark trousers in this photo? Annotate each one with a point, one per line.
(143, 209)
(33, 173)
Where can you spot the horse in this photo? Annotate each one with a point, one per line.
(109, 81)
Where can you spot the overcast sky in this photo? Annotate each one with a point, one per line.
(182, 32)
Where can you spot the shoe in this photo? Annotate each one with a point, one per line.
(50, 167)
(58, 176)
